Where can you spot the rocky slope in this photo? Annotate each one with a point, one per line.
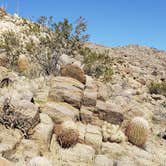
(35, 111)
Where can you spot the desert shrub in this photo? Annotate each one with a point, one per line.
(34, 28)
(157, 88)
(63, 38)
(68, 37)
(2, 12)
(30, 46)
(10, 42)
(96, 64)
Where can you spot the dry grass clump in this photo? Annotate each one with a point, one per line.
(158, 88)
(66, 137)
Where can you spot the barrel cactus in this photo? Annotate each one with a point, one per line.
(67, 138)
(23, 63)
(137, 131)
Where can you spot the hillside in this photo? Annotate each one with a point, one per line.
(94, 106)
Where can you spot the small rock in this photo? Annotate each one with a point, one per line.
(78, 155)
(102, 92)
(113, 150)
(93, 137)
(112, 133)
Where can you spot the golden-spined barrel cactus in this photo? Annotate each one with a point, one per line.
(23, 63)
(67, 138)
(137, 131)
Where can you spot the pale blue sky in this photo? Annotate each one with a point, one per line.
(110, 22)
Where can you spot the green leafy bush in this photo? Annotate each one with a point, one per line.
(157, 88)
(10, 42)
(96, 64)
(68, 37)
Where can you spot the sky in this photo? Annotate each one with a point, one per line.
(110, 22)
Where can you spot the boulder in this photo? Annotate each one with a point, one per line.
(60, 111)
(139, 109)
(82, 130)
(86, 115)
(41, 95)
(106, 113)
(101, 106)
(125, 161)
(66, 89)
(114, 114)
(113, 150)
(39, 161)
(9, 139)
(65, 60)
(25, 116)
(69, 124)
(73, 71)
(93, 137)
(102, 91)
(80, 154)
(90, 83)
(43, 132)
(102, 160)
(26, 95)
(113, 117)
(90, 97)
(25, 150)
